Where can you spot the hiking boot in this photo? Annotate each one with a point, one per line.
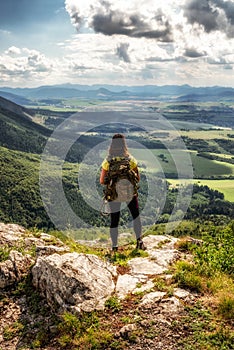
(114, 249)
(140, 245)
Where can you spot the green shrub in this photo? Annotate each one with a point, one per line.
(226, 307)
(83, 332)
(217, 252)
(113, 304)
(186, 276)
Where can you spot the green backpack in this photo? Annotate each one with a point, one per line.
(121, 181)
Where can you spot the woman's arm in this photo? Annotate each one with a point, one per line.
(102, 176)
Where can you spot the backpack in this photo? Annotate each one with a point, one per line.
(121, 182)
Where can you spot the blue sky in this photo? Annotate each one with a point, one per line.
(134, 42)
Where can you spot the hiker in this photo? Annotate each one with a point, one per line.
(117, 159)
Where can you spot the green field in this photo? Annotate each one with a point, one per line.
(224, 186)
(162, 159)
(207, 134)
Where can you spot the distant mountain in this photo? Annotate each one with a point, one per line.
(15, 98)
(17, 129)
(53, 92)
(216, 94)
(121, 92)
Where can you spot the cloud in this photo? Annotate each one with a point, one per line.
(122, 52)
(76, 19)
(121, 18)
(193, 53)
(132, 25)
(219, 61)
(17, 64)
(228, 7)
(13, 50)
(213, 15)
(160, 59)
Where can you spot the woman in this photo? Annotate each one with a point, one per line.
(118, 148)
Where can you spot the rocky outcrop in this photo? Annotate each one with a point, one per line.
(83, 282)
(14, 269)
(14, 239)
(161, 254)
(74, 282)
(11, 234)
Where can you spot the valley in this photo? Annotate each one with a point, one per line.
(177, 143)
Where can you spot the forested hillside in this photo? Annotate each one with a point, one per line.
(17, 129)
(21, 202)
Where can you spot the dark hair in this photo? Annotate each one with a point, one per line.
(118, 146)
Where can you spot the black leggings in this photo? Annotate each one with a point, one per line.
(115, 215)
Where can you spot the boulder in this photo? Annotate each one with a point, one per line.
(74, 282)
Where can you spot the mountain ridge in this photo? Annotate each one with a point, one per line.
(105, 91)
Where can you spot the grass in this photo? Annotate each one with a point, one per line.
(207, 134)
(206, 167)
(204, 331)
(86, 331)
(224, 186)
(164, 161)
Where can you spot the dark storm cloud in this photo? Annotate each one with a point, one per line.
(193, 53)
(122, 52)
(228, 7)
(111, 23)
(212, 15)
(200, 11)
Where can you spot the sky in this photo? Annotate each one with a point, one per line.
(118, 42)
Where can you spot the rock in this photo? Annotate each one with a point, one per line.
(74, 282)
(10, 234)
(158, 260)
(181, 293)
(126, 284)
(153, 242)
(171, 305)
(14, 269)
(48, 238)
(144, 288)
(126, 331)
(50, 249)
(142, 269)
(151, 298)
(146, 267)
